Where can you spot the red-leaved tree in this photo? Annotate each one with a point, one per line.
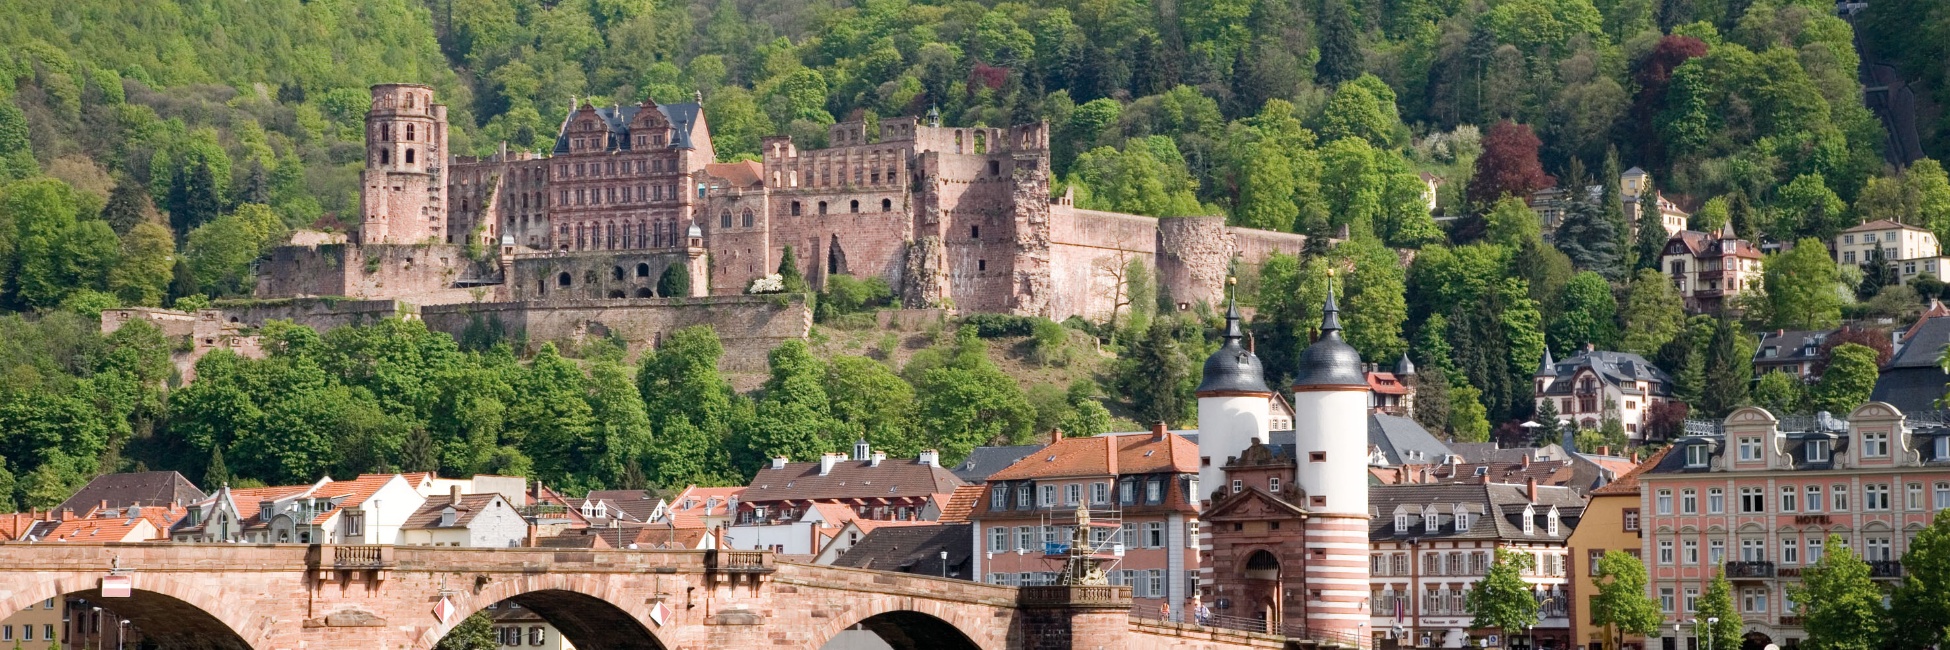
(1653, 75)
(1508, 165)
(1874, 339)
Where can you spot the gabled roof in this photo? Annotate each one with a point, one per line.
(1403, 440)
(638, 504)
(133, 489)
(960, 504)
(354, 492)
(682, 118)
(1496, 511)
(20, 525)
(428, 516)
(1144, 453)
(1613, 368)
(1252, 502)
(1628, 483)
(914, 549)
(1884, 224)
(984, 461)
(249, 500)
(98, 531)
(849, 479)
(689, 508)
(744, 174)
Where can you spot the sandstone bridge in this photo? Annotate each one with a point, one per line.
(291, 597)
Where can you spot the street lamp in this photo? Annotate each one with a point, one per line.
(97, 623)
(944, 564)
(1710, 622)
(121, 633)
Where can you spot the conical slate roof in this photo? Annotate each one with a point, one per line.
(1330, 361)
(1404, 367)
(1233, 369)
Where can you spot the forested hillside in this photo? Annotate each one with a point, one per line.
(150, 150)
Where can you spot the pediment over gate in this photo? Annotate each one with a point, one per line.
(1254, 504)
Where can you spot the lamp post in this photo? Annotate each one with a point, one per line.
(944, 564)
(1710, 622)
(97, 623)
(121, 633)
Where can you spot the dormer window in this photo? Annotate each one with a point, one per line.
(1696, 455)
(1942, 448)
(1462, 518)
(999, 498)
(1875, 444)
(1550, 522)
(1817, 451)
(1401, 519)
(1749, 448)
(1430, 522)
(1529, 520)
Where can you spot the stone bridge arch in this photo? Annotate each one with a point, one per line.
(927, 625)
(593, 611)
(174, 610)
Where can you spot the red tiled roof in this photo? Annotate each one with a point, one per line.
(1140, 453)
(17, 525)
(741, 174)
(248, 500)
(355, 491)
(956, 508)
(689, 508)
(118, 529)
(1628, 483)
(1386, 383)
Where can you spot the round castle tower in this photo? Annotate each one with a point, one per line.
(1234, 404)
(403, 199)
(1330, 422)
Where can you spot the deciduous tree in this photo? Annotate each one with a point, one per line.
(1841, 607)
(1508, 165)
(1502, 600)
(1848, 380)
(1622, 603)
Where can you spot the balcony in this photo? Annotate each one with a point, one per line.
(1749, 570)
(1886, 569)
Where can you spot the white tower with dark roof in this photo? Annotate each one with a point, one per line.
(1234, 404)
(1330, 422)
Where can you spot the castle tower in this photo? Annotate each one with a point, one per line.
(402, 194)
(1233, 404)
(1330, 408)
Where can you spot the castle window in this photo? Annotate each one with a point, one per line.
(409, 132)
(795, 208)
(748, 217)
(995, 168)
(642, 270)
(385, 131)
(616, 273)
(409, 156)
(974, 232)
(582, 239)
(628, 235)
(822, 207)
(854, 207)
(724, 220)
(981, 265)
(643, 239)
(886, 205)
(385, 156)
(564, 279)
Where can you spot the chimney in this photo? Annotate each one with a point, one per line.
(877, 457)
(1526, 461)
(1158, 431)
(1635, 456)
(826, 462)
(1604, 450)
(534, 533)
(1530, 488)
(453, 493)
(1110, 454)
(930, 458)
(778, 462)
(1055, 435)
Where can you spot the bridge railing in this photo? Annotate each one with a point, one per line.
(370, 556)
(738, 561)
(1086, 595)
(1299, 630)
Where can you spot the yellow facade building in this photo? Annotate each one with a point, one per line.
(1611, 523)
(33, 628)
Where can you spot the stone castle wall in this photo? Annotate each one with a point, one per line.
(598, 274)
(1089, 252)
(427, 274)
(749, 326)
(322, 314)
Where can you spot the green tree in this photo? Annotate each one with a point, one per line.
(1652, 314)
(1728, 371)
(1375, 308)
(128, 205)
(1622, 603)
(1340, 44)
(1652, 235)
(872, 403)
(1586, 314)
(1363, 108)
(793, 419)
(1808, 209)
(1147, 177)
(1841, 607)
(1158, 371)
(1850, 377)
(1717, 603)
(1468, 420)
(1590, 239)
(794, 280)
(1781, 392)
(476, 632)
(691, 407)
(550, 418)
(1801, 287)
(16, 147)
(1502, 600)
(1922, 601)
(964, 400)
(1512, 223)
(675, 281)
(141, 276)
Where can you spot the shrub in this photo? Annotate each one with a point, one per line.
(991, 326)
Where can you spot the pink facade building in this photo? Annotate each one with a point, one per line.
(1760, 496)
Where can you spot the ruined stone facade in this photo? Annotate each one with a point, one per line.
(950, 217)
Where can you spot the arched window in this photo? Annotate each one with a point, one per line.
(582, 239)
(609, 235)
(854, 207)
(724, 220)
(822, 207)
(657, 235)
(409, 156)
(642, 270)
(564, 279)
(409, 132)
(642, 235)
(385, 156)
(748, 217)
(795, 208)
(886, 205)
(627, 228)
(616, 273)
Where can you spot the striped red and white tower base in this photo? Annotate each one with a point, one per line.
(1337, 578)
